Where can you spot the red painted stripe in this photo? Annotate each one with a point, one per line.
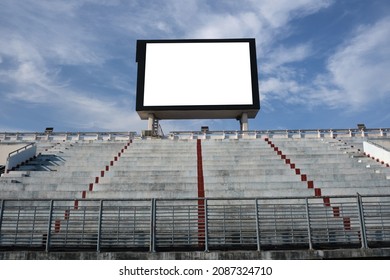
(91, 187)
(201, 194)
(200, 169)
(310, 184)
(326, 201)
(336, 211)
(84, 194)
(76, 204)
(347, 223)
(57, 226)
(67, 213)
(317, 192)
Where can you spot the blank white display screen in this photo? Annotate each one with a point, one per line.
(196, 74)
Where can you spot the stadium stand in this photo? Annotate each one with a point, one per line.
(222, 194)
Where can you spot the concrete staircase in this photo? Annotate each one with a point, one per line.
(151, 169)
(242, 168)
(60, 171)
(247, 168)
(83, 172)
(336, 167)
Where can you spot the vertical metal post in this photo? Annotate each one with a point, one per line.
(308, 224)
(257, 224)
(152, 245)
(1, 214)
(49, 226)
(206, 226)
(363, 233)
(99, 226)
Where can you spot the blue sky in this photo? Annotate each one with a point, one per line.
(71, 64)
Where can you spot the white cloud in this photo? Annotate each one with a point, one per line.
(283, 55)
(279, 13)
(227, 25)
(356, 74)
(360, 68)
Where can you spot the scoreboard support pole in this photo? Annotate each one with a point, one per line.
(244, 122)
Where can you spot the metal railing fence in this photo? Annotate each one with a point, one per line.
(196, 224)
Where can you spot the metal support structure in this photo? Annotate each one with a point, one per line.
(257, 225)
(1, 214)
(48, 235)
(244, 122)
(152, 247)
(308, 224)
(362, 222)
(151, 119)
(99, 226)
(206, 229)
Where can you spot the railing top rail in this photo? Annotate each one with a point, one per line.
(207, 198)
(367, 130)
(70, 133)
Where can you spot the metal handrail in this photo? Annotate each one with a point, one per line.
(180, 224)
(319, 133)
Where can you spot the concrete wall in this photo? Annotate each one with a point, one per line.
(21, 156)
(379, 253)
(376, 151)
(6, 148)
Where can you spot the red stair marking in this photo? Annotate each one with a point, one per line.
(317, 192)
(201, 194)
(303, 177)
(327, 201)
(67, 213)
(347, 223)
(76, 204)
(336, 211)
(57, 226)
(90, 187)
(310, 184)
(84, 194)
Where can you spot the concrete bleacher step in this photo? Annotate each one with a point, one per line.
(244, 167)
